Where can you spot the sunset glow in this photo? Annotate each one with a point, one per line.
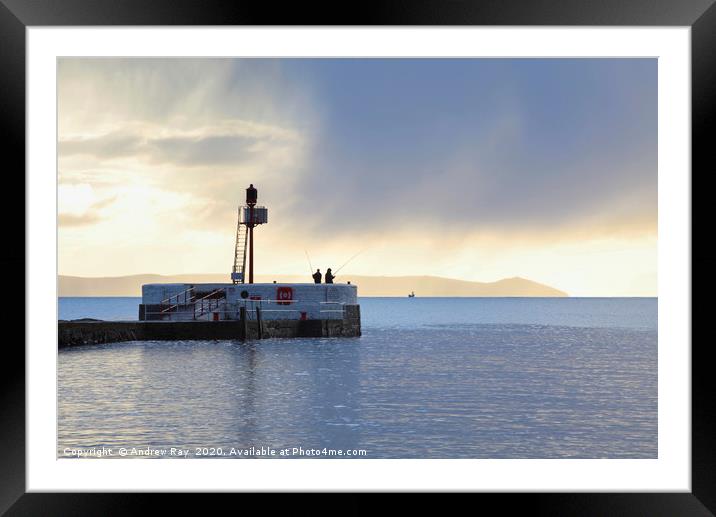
(475, 169)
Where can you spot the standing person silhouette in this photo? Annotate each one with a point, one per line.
(329, 276)
(317, 276)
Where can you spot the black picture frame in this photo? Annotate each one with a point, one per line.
(17, 15)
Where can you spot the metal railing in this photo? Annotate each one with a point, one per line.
(177, 297)
(205, 303)
(187, 298)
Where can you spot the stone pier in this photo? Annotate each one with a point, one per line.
(93, 332)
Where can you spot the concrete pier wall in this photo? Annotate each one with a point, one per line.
(75, 333)
(277, 301)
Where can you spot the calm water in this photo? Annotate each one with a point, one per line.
(429, 378)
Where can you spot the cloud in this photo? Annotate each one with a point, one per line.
(84, 216)
(227, 143)
(113, 145)
(77, 220)
(485, 190)
(570, 149)
(204, 126)
(420, 158)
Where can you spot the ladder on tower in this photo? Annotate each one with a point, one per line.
(239, 269)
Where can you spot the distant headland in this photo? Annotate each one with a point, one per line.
(367, 285)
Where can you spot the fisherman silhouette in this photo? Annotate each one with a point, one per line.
(329, 276)
(317, 276)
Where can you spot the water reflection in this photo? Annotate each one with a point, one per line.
(435, 391)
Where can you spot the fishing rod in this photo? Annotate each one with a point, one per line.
(346, 263)
(309, 261)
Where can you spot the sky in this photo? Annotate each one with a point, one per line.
(476, 169)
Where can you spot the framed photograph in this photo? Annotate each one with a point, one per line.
(475, 277)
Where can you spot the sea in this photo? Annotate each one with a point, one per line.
(429, 378)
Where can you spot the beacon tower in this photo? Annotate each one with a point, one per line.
(249, 216)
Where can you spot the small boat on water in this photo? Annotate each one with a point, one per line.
(412, 294)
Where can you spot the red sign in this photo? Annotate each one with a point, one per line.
(284, 295)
